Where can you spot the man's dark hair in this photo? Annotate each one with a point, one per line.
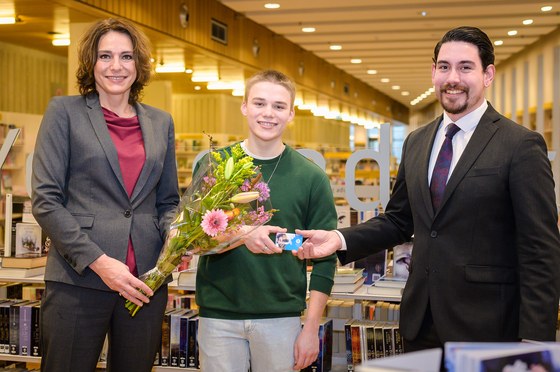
(471, 35)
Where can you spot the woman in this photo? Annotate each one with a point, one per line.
(104, 190)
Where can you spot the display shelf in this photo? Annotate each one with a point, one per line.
(363, 294)
(30, 280)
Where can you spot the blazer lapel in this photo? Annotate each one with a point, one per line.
(150, 148)
(100, 127)
(479, 140)
(425, 184)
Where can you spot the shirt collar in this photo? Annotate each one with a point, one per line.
(468, 122)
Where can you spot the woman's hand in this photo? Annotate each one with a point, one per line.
(117, 276)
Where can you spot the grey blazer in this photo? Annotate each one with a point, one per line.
(487, 262)
(79, 197)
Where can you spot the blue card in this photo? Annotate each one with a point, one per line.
(288, 241)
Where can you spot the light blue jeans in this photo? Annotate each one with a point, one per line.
(266, 345)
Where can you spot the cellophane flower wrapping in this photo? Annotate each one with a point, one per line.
(225, 201)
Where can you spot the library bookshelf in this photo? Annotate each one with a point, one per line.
(36, 361)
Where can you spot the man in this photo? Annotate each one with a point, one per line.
(251, 297)
(485, 261)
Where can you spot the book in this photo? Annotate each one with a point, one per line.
(27, 261)
(36, 330)
(348, 287)
(28, 238)
(5, 326)
(165, 337)
(174, 336)
(25, 325)
(384, 291)
(192, 355)
(389, 280)
(402, 256)
(187, 278)
(424, 360)
(19, 273)
(184, 337)
(374, 266)
(489, 356)
(347, 275)
(348, 344)
(15, 309)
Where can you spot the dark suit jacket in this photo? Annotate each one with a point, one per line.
(79, 197)
(488, 261)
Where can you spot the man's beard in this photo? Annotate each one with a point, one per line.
(453, 108)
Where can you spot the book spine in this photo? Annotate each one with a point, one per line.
(183, 340)
(25, 330)
(193, 345)
(388, 339)
(356, 345)
(326, 360)
(14, 329)
(165, 330)
(174, 330)
(5, 329)
(379, 343)
(370, 342)
(348, 337)
(35, 331)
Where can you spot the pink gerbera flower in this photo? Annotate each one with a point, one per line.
(214, 222)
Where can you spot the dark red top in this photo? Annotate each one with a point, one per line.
(127, 137)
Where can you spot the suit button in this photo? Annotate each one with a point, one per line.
(433, 234)
(127, 213)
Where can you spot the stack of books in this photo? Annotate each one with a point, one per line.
(23, 266)
(387, 285)
(348, 280)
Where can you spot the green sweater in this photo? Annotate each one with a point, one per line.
(239, 284)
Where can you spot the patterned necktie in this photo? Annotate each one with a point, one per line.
(441, 168)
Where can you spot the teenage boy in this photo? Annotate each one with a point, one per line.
(251, 297)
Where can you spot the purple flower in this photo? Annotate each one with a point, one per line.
(246, 186)
(263, 190)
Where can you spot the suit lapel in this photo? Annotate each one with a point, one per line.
(150, 148)
(100, 127)
(483, 133)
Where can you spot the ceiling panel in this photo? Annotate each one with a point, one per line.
(397, 37)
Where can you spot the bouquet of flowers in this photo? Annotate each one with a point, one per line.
(225, 201)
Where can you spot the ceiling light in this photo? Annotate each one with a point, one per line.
(528, 22)
(335, 47)
(385, 80)
(169, 68)
(60, 42)
(371, 72)
(356, 61)
(423, 13)
(498, 42)
(546, 8)
(405, 93)
(308, 29)
(272, 5)
(204, 76)
(7, 20)
(512, 33)
(396, 87)
(188, 71)
(226, 85)
(197, 87)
